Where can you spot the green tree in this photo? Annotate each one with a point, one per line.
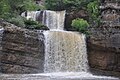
(80, 25)
(10, 11)
(16, 7)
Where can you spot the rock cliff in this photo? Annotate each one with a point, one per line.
(104, 48)
(104, 41)
(21, 51)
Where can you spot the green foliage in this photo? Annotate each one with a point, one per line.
(10, 11)
(54, 4)
(91, 6)
(66, 4)
(4, 8)
(80, 25)
(30, 5)
(18, 21)
(16, 7)
(30, 24)
(93, 10)
(19, 6)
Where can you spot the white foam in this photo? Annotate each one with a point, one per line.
(75, 75)
(1, 29)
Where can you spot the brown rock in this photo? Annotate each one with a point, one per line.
(22, 60)
(102, 60)
(17, 69)
(104, 47)
(22, 50)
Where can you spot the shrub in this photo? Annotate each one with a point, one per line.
(18, 21)
(30, 24)
(80, 25)
(23, 22)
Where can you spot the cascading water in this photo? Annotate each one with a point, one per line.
(1, 35)
(52, 19)
(65, 51)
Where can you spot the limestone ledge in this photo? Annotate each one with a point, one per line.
(21, 50)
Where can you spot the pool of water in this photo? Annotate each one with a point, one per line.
(56, 76)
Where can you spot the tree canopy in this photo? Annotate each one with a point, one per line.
(10, 7)
(10, 10)
(66, 4)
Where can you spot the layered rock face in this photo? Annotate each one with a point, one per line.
(21, 51)
(104, 49)
(104, 43)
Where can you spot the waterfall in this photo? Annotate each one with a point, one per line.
(65, 51)
(1, 35)
(52, 19)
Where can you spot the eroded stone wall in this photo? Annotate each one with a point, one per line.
(22, 50)
(104, 48)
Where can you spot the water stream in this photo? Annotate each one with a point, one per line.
(1, 35)
(65, 51)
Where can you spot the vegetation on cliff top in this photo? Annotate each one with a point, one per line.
(90, 6)
(68, 5)
(10, 11)
(16, 7)
(93, 12)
